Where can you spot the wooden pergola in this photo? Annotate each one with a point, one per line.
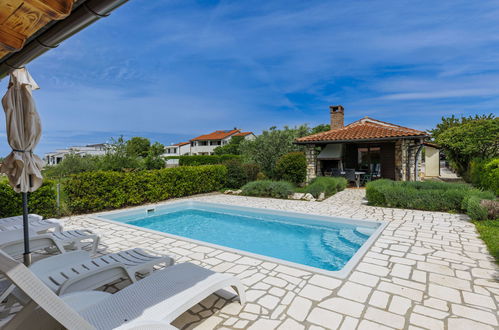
(20, 19)
(28, 28)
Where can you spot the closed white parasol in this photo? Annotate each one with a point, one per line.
(22, 166)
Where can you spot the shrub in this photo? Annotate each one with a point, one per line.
(474, 210)
(484, 173)
(239, 174)
(42, 201)
(102, 190)
(196, 160)
(292, 167)
(267, 188)
(492, 207)
(251, 171)
(429, 196)
(236, 177)
(328, 185)
(261, 176)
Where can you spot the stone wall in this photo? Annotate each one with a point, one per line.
(311, 155)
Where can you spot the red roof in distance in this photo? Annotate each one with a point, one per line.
(243, 133)
(217, 135)
(364, 129)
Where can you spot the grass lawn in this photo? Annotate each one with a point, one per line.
(489, 232)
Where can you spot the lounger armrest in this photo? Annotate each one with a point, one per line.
(94, 278)
(58, 225)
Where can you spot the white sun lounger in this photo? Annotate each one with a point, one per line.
(151, 303)
(36, 223)
(77, 271)
(12, 241)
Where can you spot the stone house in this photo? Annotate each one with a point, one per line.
(372, 146)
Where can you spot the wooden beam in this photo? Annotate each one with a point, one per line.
(55, 9)
(10, 40)
(20, 19)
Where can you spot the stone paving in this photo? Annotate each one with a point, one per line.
(427, 270)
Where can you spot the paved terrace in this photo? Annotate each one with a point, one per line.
(427, 270)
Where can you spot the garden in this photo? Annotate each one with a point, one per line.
(132, 173)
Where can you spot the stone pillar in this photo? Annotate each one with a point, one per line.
(405, 159)
(413, 149)
(398, 160)
(311, 155)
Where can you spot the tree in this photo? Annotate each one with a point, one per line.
(118, 158)
(268, 147)
(156, 149)
(232, 148)
(468, 138)
(320, 128)
(153, 160)
(138, 146)
(292, 167)
(72, 164)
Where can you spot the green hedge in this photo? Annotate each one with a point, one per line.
(197, 160)
(42, 201)
(429, 196)
(327, 185)
(238, 174)
(292, 167)
(267, 188)
(104, 190)
(484, 173)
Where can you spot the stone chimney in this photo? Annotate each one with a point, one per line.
(337, 113)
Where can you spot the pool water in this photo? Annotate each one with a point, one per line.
(325, 243)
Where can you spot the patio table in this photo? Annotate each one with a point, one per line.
(357, 177)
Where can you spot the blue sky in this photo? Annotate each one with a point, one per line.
(173, 69)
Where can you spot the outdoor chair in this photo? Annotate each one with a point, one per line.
(12, 241)
(349, 175)
(78, 271)
(151, 303)
(36, 223)
(365, 179)
(336, 172)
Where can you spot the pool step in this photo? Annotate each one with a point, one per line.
(332, 241)
(353, 237)
(320, 253)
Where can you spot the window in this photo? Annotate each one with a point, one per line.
(369, 158)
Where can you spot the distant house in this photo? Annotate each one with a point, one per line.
(179, 149)
(205, 144)
(54, 158)
(367, 145)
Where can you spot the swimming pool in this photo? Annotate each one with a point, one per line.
(327, 244)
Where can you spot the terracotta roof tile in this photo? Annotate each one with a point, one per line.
(363, 129)
(181, 144)
(217, 135)
(243, 133)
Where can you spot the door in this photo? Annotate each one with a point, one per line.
(387, 160)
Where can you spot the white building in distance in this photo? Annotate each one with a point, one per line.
(54, 158)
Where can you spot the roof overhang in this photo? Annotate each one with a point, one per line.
(57, 21)
(364, 140)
